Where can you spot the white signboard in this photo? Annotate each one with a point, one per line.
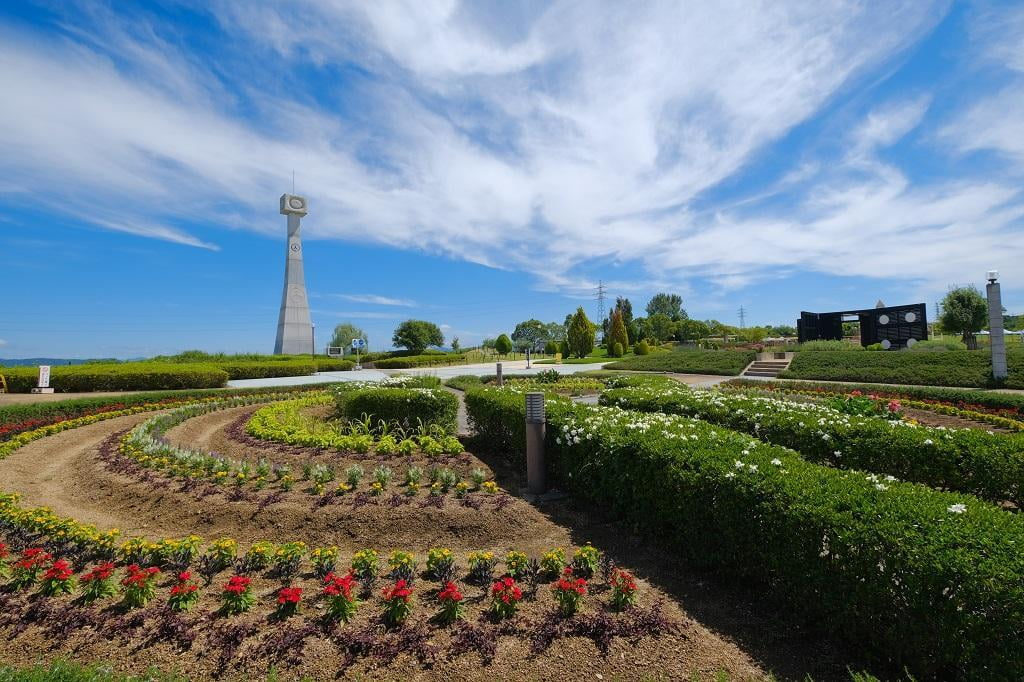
(358, 343)
(44, 376)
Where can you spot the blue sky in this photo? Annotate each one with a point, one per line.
(480, 163)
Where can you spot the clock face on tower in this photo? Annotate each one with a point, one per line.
(294, 247)
(295, 202)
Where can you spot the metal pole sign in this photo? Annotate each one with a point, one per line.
(535, 432)
(358, 344)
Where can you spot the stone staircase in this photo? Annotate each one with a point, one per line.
(767, 369)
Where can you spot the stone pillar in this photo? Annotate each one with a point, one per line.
(995, 327)
(294, 326)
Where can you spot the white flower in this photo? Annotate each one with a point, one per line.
(890, 478)
(739, 464)
(558, 441)
(957, 508)
(777, 462)
(928, 441)
(752, 467)
(730, 475)
(881, 487)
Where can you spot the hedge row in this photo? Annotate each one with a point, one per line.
(948, 368)
(429, 360)
(406, 407)
(147, 376)
(727, 362)
(929, 580)
(129, 376)
(15, 419)
(967, 460)
(960, 397)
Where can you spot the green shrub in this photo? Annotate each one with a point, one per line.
(641, 348)
(128, 376)
(829, 345)
(334, 365)
(952, 368)
(465, 382)
(617, 350)
(425, 360)
(897, 572)
(407, 407)
(968, 460)
(264, 369)
(728, 362)
(937, 344)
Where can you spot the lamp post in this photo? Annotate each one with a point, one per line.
(995, 326)
(536, 420)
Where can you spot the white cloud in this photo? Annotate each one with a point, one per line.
(3, 342)
(375, 299)
(541, 139)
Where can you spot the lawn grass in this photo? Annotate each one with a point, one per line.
(727, 362)
(940, 368)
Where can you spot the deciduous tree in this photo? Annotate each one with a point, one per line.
(964, 312)
(417, 335)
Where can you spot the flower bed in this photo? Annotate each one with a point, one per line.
(1001, 404)
(429, 360)
(988, 465)
(930, 580)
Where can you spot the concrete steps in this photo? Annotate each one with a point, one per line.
(766, 368)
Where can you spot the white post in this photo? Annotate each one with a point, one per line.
(995, 327)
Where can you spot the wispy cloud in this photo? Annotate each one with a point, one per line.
(551, 139)
(375, 299)
(358, 314)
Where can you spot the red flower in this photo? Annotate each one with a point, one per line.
(401, 590)
(289, 595)
(238, 584)
(579, 586)
(450, 593)
(3, 551)
(184, 576)
(183, 589)
(335, 585)
(138, 576)
(856, 394)
(100, 572)
(506, 590)
(61, 570)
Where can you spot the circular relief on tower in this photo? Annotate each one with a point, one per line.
(295, 295)
(883, 319)
(911, 342)
(294, 247)
(910, 317)
(295, 202)
(886, 344)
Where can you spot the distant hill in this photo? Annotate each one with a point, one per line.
(32, 362)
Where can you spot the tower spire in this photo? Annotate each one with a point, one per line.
(294, 326)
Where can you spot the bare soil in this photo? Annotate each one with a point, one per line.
(930, 418)
(718, 630)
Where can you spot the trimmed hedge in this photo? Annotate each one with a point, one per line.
(407, 407)
(947, 368)
(263, 370)
(961, 397)
(727, 362)
(428, 360)
(968, 460)
(334, 365)
(465, 382)
(897, 571)
(128, 376)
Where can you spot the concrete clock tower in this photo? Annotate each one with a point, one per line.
(294, 327)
